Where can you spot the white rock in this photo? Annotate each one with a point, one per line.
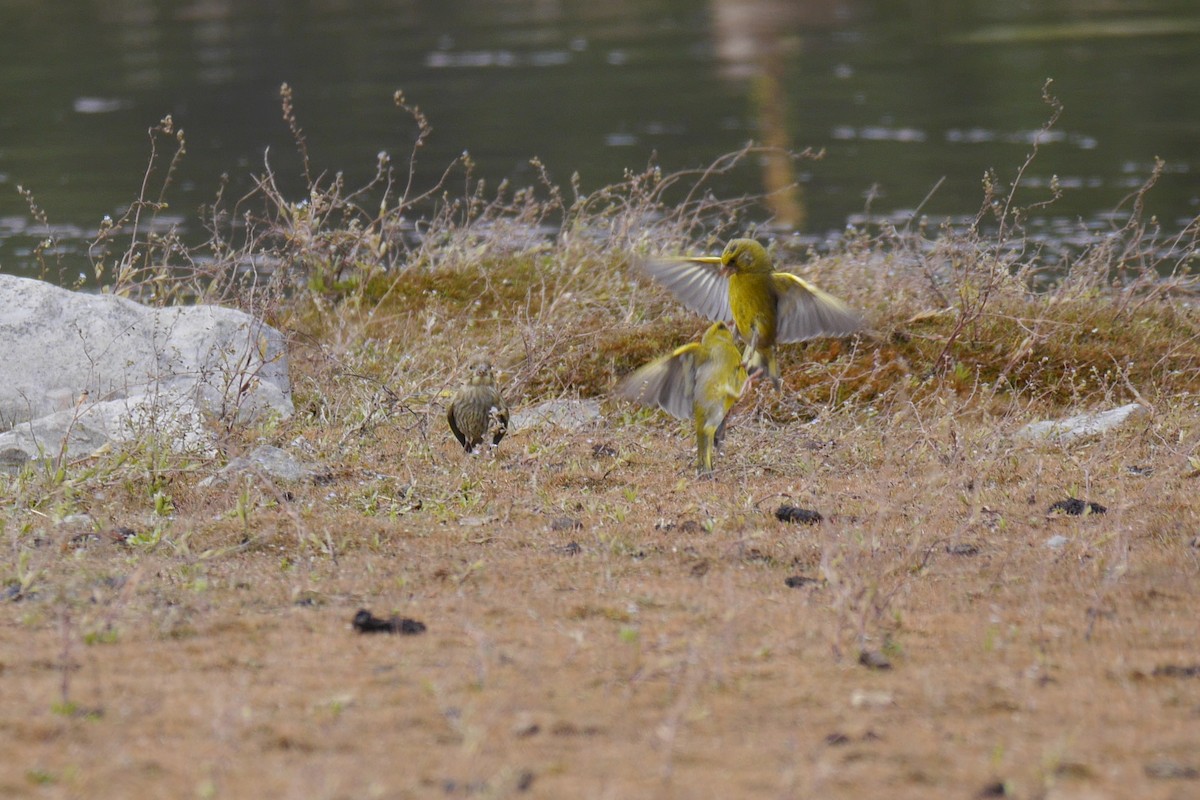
(175, 421)
(273, 462)
(89, 369)
(569, 414)
(873, 699)
(1081, 426)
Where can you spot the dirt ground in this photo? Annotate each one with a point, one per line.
(601, 624)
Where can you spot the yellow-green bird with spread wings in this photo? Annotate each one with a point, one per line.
(478, 409)
(768, 307)
(700, 381)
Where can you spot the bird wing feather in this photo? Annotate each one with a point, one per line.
(805, 312)
(458, 434)
(700, 287)
(668, 382)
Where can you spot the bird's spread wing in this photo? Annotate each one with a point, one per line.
(805, 312)
(698, 285)
(668, 382)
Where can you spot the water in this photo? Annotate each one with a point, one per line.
(902, 97)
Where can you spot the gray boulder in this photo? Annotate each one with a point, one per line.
(82, 370)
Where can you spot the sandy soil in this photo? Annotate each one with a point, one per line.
(600, 624)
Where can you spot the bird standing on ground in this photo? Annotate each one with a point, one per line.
(768, 307)
(478, 409)
(700, 381)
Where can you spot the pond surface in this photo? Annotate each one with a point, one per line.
(902, 95)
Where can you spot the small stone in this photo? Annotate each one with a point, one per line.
(1075, 771)
(799, 581)
(567, 728)
(756, 556)
(865, 698)
(1075, 507)
(873, 659)
(308, 599)
(526, 725)
(1167, 769)
(963, 549)
(854, 734)
(1057, 542)
(603, 451)
(567, 414)
(1176, 671)
(275, 463)
(121, 534)
(76, 521)
(795, 514)
(366, 622)
(565, 524)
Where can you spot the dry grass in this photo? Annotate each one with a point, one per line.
(601, 624)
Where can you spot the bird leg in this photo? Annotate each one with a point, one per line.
(751, 377)
(719, 436)
(751, 347)
(751, 360)
(705, 437)
(773, 369)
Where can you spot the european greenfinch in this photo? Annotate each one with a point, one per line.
(700, 381)
(478, 409)
(768, 307)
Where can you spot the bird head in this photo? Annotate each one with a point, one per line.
(717, 333)
(740, 256)
(744, 255)
(480, 372)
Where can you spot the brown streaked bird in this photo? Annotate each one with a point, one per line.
(700, 381)
(478, 409)
(768, 307)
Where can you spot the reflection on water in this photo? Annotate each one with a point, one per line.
(901, 96)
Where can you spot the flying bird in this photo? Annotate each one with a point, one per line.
(767, 306)
(700, 381)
